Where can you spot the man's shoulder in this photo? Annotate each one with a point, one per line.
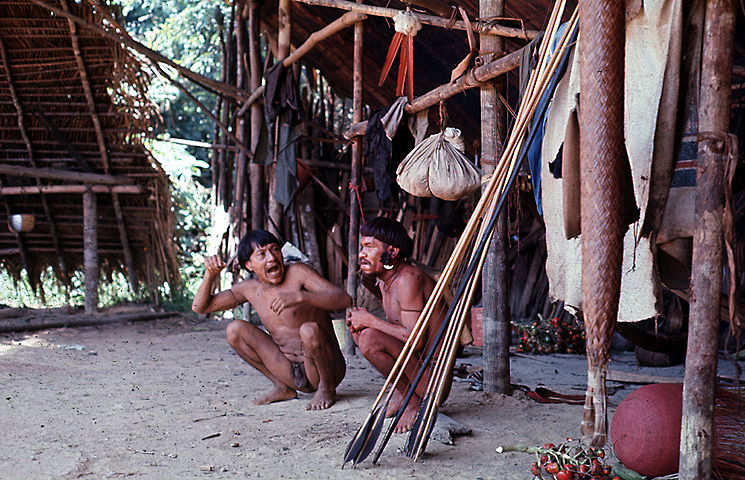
(413, 271)
(246, 286)
(299, 268)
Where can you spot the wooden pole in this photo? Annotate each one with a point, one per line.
(424, 19)
(258, 194)
(314, 39)
(283, 50)
(472, 78)
(56, 174)
(494, 287)
(356, 176)
(90, 251)
(241, 167)
(697, 429)
(71, 189)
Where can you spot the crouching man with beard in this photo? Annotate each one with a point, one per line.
(299, 350)
(405, 288)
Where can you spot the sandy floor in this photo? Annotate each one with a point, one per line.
(168, 399)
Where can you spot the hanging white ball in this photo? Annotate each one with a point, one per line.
(406, 23)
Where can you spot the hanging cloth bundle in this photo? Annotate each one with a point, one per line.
(406, 26)
(437, 167)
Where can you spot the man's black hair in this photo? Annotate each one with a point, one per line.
(252, 240)
(391, 232)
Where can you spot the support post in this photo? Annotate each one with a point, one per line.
(241, 164)
(494, 290)
(90, 251)
(256, 172)
(356, 176)
(697, 429)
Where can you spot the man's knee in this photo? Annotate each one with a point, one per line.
(311, 334)
(235, 331)
(369, 341)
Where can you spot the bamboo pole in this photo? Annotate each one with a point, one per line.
(697, 429)
(492, 199)
(495, 315)
(425, 19)
(356, 176)
(90, 251)
(474, 78)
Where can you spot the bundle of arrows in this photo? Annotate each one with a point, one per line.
(462, 272)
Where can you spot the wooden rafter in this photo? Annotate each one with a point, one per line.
(471, 79)
(70, 189)
(56, 174)
(128, 259)
(425, 19)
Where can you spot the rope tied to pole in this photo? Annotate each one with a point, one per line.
(356, 190)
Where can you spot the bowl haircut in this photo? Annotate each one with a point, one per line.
(390, 232)
(251, 241)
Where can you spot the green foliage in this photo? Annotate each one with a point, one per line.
(189, 33)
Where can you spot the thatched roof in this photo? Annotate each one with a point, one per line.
(73, 115)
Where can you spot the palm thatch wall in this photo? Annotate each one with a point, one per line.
(72, 117)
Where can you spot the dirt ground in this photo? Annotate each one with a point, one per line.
(168, 399)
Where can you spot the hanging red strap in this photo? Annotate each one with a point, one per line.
(356, 189)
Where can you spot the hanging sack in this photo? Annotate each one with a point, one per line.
(438, 167)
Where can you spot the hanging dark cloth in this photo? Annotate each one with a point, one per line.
(283, 111)
(381, 128)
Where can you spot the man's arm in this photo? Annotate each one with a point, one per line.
(204, 300)
(360, 319)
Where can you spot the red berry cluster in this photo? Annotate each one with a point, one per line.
(552, 336)
(570, 461)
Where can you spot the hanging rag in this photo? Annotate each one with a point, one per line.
(381, 128)
(283, 111)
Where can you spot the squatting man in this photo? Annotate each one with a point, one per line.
(405, 288)
(299, 350)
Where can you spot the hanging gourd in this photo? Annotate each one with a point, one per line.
(406, 26)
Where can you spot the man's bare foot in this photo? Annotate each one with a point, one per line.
(407, 419)
(394, 404)
(279, 394)
(322, 400)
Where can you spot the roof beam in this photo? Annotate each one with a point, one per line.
(481, 27)
(55, 174)
(72, 189)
